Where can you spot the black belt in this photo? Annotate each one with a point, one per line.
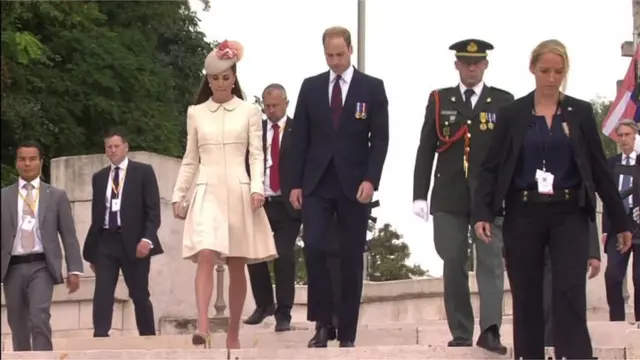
(25, 259)
(277, 198)
(532, 196)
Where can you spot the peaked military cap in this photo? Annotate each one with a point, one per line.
(471, 49)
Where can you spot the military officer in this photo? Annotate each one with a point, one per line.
(458, 125)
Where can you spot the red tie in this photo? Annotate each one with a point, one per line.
(274, 172)
(336, 101)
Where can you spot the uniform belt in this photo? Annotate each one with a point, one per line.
(25, 259)
(532, 196)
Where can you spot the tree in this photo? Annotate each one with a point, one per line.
(389, 256)
(72, 70)
(601, 108)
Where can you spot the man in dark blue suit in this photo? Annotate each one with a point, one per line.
(622, 168)
(340, 137)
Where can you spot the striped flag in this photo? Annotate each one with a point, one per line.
(625, 106)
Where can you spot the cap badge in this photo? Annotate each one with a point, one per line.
(472, 47)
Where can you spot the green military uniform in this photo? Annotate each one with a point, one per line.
(453, 127)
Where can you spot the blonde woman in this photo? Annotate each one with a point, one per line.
(224, 218)
(546, 163)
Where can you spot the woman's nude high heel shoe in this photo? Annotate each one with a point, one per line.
(201, 339)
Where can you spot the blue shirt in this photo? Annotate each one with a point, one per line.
(558, 156)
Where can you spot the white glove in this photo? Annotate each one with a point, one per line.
(636, 214)
(421, 209)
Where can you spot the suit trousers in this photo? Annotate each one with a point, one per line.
(529, 230)
(110, 259)
(286, 230)
(614, 275)
(547, 301)
(28, 289)
(451, 236)
(320, 207)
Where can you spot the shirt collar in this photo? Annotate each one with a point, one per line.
(229, 105)
(281, 123)
(347, 75)
(477, 89)
(123, 165)
(35, 183)
(633, 155)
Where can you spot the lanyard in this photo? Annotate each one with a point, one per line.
(548, 137)
(119, 187)
(33, 206)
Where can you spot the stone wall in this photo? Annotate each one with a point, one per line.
(171, 278)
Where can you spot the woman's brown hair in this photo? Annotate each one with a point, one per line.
(205, 92)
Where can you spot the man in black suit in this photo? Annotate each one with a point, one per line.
(125, 217)
(284, 219)
(452, 116)
(340, 137)
(617, 262)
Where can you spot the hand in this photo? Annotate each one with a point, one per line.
(594, 268)
(365, 192)
(295, 198)
(624, 242)
(73, 283)
(636, 214)
(483, 230)
(176, 210)
(93, 268)
(143, 248)
(421, 209)
(257, 200)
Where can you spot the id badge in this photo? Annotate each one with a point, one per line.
(545, 182)
(115, 205)
(28, 223)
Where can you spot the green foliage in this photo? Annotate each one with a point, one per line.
(73, 70)
(389, 256)
(601, 108)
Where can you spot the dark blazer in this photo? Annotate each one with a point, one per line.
(285, 162)
(358, 147)
(139, 210)
(495, 178)
(611, 162)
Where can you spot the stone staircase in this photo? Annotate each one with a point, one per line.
(375, 341)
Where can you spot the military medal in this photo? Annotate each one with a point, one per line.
(483, 127)
(490, 126)
(483, 121)
(361, 111)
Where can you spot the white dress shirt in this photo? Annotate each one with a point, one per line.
(632, 162)
(345, 81)
(123, 172)
(477, 89)
(17, 244)
(267, 181)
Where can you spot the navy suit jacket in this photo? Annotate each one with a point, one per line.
(358, 147)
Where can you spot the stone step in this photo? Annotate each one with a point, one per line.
(369, 353)
(602, 334)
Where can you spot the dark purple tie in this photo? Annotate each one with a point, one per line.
(336, 101)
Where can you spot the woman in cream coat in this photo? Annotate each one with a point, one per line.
(224, 218)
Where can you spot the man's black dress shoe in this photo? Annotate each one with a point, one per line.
(259, 314)
(347, 344)
(490, 341)
(460, 342)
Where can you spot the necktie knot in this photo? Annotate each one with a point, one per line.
(28, 186)
(338, 78)
(468, 94)
(275, 126)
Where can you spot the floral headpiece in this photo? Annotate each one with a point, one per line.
(229, 50)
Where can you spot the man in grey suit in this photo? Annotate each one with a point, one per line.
(33, 214)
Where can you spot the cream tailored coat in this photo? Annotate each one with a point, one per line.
(220, 217)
